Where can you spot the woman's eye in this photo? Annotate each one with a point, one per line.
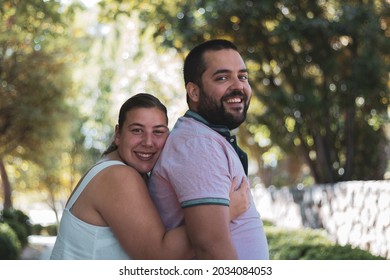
(136, 131)
(159, 132)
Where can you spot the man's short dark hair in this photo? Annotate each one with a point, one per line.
(194, 64)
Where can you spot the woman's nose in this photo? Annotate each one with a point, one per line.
(147, 140)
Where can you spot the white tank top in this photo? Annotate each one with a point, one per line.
(78, 240)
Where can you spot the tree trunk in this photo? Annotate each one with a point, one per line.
(6, 186)
(350, 142)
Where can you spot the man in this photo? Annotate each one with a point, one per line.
(191, 179)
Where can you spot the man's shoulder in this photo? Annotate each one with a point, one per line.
(190, 126)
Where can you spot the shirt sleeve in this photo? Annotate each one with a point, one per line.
(201, 172)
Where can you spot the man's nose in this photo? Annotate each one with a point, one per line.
(237, 84)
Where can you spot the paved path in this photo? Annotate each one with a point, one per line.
(39, 247)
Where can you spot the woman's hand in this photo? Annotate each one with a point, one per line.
(239, 199)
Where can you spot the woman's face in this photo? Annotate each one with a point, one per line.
(142, 138)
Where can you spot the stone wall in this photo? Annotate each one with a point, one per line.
(355, 212)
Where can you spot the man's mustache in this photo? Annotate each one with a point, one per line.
(235, 93)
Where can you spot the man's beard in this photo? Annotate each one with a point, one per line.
(215, 113)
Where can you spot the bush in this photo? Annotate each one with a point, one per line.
(51, 230)
(20, 231)
(337, 252)
(267, 223)
(37, 229)
(310, 244)
(9, 243)
(19, 222)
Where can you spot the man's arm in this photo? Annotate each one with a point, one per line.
(208, 229)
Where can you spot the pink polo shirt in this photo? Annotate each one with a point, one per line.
(197, 167)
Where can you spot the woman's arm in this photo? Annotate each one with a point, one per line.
(127, 208)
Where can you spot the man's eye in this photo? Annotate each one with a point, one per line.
(223, 78)
(244, 78)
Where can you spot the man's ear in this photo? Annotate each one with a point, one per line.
(193, 92)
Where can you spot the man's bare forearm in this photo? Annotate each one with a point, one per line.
(208, 229)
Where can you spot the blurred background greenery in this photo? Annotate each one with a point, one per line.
(319, 72)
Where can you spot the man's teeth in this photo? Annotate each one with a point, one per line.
(234, 100)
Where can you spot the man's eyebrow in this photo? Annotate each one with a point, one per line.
(222, 71)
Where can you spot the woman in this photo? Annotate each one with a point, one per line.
(110, 214)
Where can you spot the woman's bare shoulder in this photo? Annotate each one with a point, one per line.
(118, 186)
(121, 175)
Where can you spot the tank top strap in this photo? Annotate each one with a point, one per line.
(88, 177)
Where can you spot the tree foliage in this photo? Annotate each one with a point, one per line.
(319, 69)
(319, 72)
(35, 82)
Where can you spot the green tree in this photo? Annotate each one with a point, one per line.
(34, 82)
(319, 71)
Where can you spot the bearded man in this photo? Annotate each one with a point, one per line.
(190, 182)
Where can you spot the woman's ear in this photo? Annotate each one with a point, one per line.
(117, 135)
(193, 92)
